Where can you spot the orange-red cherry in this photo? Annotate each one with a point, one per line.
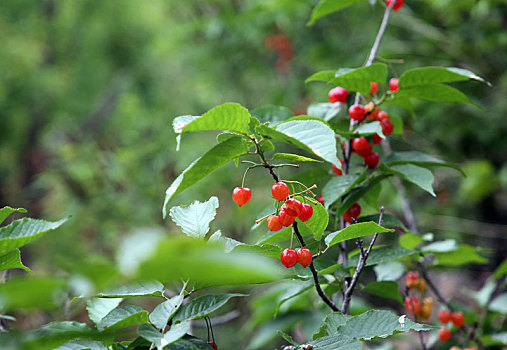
(304, 257)
(306, 213)
(373, 88)
(393, 84)
(289, 257)
(458, 319)
(274, 223)
(397, 6)
(280, 191)
(338, 94)
(352, 213)
(241, 195)
(444, 334)
(444, 316)
(285, 218)
(357, 112)
(292, 207)
(382, 115)
(371, 160)
(387, 127)
(336, 170)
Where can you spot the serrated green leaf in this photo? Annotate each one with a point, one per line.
(419, 176)
(12, 260)
(203, 306)
(136, 247)
(499, 304)
(293, 157)
(228, 243)
(98, 308)
(360, 229)
(334, 342)
(448, 245)
(190, 343)
(388, 220)
(80, 344)
(410, 240)
(267, 250)
(465, 254)
(389, 271)
(276, 236)
(326, 7)
(137, 289)
(333, 321)
(163, 312)
(161, 340)
(213, 159)
(6, 211)
(368, 129)
(123, 316)
(417, 158)
(272, 114)
(31, 292)
(21, 232)
(194, 219)
(435, 75)
(339, 186)
(382, 255)
(435, 92)
(54, 334)
(354, 79)
(317, 224)
(385, 289)
(326, 110)
(359, 191)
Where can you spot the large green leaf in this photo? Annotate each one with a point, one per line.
(12, 260)
(123, 316)
(137, 289)
(385, 289)
(339, 186)
(161, 340)
(434, 92)
(388, 220)
(419, 176)
(354, 79)
(293, 157)
(499, 304)
(435, 75)
(417, 158)
(226, 242)
(183, 258)
(326, 110)
(326, 7)
(382, 255)
(317, 224)
(272, 114)
(448, 245)
(410, 240)
(79, 344)
(203, 166)
(54, 334)
(194, 219)
(31, 292)
(368, 129)
(465, 254)
(163, 312)
(98, 308)
(501, 270)
(21, 232)
(190, 343)
(203, 306)
(359, 191)
(390, 271)
(337, 342)
(6, 211)
(360, 229)
(276, 236)
(268, 250)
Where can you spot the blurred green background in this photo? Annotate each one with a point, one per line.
(88, 90)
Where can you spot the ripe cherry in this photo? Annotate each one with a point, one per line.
(320, 199)
(338, 94)
(397, 6)
(336, 170)
(361, 146)
(274, 223)
(382, 115)
(411, 279)
(371, 111)
(393, 84)
(241, 195)
(292, 207)
(371, 160)
(285, 218)
(304, 257)
(280, 191)
(352, 213)
(373, 88)
(387, 127)
(444, 316)
(357, 112)
(376, 139)
(289, 257)
(458, 319)
(213, 345)
(306, 213)
(444, 334)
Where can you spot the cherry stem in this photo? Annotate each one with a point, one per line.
(263, 218)
(308, 189)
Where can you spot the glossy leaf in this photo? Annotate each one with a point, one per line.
(267, 250)
(6, 211)
(359, 191)
(31, 292)
(448, 245)
(326, 110)
(54, 334)
(499, 304)
(98, 308)
(123, 316)
(137, 289)
(417, 158)
(272, 114)
(388, 220)
(382, 255)
(275, 237)
(317, 224)
(203, 306)
(360, 229)
(369, 129)
(226, 242)
(419, 176)
(501, 270)
(194, 219)
(213, 159)
(435, 75)
(385, 289)
(79, 344)
(410, 240)
(465, 254)
(337, 187)
(21, 232)
(12, 260)
(389, 271)
(161, 340)
(337, 342)
(326, 7)
(190, 343)
(435, 92)
(163, 312)
(293, 157)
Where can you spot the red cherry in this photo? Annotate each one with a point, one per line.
(376, 139)
(373, 88)
(412, 276)
(397, 6)
(304, 256)
(274, 223)
(458, 319)
(292, 207)
(338, 94)
(387, 127)
(320, 199)
(285, 218)
(280, 191)
(352, 213)
(289, 257)
(306, 213)
(382, 115)
(371, 160)
(357, 112)
(241, 195)
(371, 111)
(413, 304)
(393, 84)
(444, 316)
(361, 146)
(213, 345)
(336, 170)
(444, 334)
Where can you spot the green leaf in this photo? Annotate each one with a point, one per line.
(137, 289)
(267, 250)
(359, 191)
(54, 334)
(21, 232)
(160, 340)
(182, 258)
(369, 129)
(388, 220)
(194, 219)
(326, 110)
(31, 292)
(339, 186)
(360, 229)
(213, 159)
(276, 236)
(501, 270)
(12, 260)
(397, 123)
(317, 224)
(334, 342)
(190, 343)
(465, 254)
(354, 79)
(123, 316)
(419, 176)
(448, 245)
(272, 114)
(98, 308)
(79, 344)
(293, 157)
(410, 240)
(203, 306)
(163, 312)
(435, 92)
(333, 321)
(385, 289)
(435, 75)
(382, 255)
(326, 7)
(389, 271)
(6, 211)
(499, 304)
(228, 243)
(417, 158)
